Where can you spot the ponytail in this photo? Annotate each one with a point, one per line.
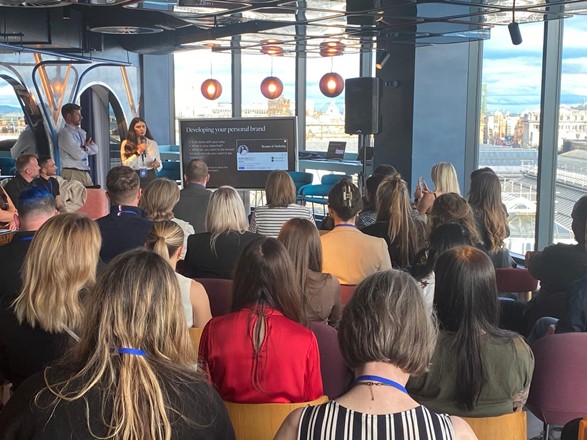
(165, 238)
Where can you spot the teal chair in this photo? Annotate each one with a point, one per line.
(171, 170)
(300, 179)
(318, 194)
(7, 166)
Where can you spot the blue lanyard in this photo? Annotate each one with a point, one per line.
(382, 380)
(350, 225)
(29, 238)
(121, 211)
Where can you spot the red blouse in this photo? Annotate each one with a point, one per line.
(287, 368)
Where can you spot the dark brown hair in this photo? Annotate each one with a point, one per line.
(452, 208)
(280, 189)
(345, 199)
(122, 184)
(466, 303)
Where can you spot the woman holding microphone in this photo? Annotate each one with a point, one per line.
(140, 152)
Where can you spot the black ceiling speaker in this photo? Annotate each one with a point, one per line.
(514, 28)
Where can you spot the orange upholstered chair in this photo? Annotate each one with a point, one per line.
(97, 204)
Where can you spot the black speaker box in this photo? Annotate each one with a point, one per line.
(362, 101)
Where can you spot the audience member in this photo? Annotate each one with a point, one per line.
(281, 205)
(75, 146)
(444, 177)
(368, 214)
(213, 254)
(395, 222)
(27, 170)
(7, 211)
(444, 237)
(39, 325)
(132, 375)
(349, 254)
(574, 318)
(158, 200)
(386, 334)
(126, 227)
(452, 208)
(559, 265)
(261, 352)
(25, 144)
(36, 207)
(140, 152)
(166, 239)
(194, 197)
(491, 217)
(385, 169)
(477, 370)
(321, 291)
(46, 180)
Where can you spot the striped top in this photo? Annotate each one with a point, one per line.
(331, 421)
(268, 221)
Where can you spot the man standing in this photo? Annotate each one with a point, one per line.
(48, 169)
(35, 207)
(194, 198)
(75, 146)
(126, 227)
(27, 170)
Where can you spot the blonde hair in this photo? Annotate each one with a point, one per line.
(394, 206)
(280, 189)
(159, 198)
(226, 213)
(445, 178)
(134, 304)
(165, 238)
(59, 265)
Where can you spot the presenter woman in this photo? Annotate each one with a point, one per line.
(140, 152)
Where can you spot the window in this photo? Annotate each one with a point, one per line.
(510, 122)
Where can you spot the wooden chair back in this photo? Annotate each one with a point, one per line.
(195, 336)
(260, 421)
(511, 426)
(583, 429)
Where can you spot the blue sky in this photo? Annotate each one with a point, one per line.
(512, 73)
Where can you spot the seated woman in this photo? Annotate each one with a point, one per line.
(213, 254)
(368, 214)
(442, 238)
(158, 200)
(261, 353)
(491, 217)
(444, 177)
(321, 291)
(477, 370)
(166, 239)
(386, 334)
(395, 223)
(281, 205)
(452, 208)
(39, 325)
(349, 254)
(133, 373)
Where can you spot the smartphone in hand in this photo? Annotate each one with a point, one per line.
(422, 184)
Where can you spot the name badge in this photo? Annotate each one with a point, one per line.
(143, 173)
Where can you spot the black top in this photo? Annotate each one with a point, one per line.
(200, 262)
(51, 185)
(15, 186)
(11, 259)
(558, 265)
(574, 319)
(380, 229)
(125, 228)
(25, 350)
(24, 419)
(193, 206)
